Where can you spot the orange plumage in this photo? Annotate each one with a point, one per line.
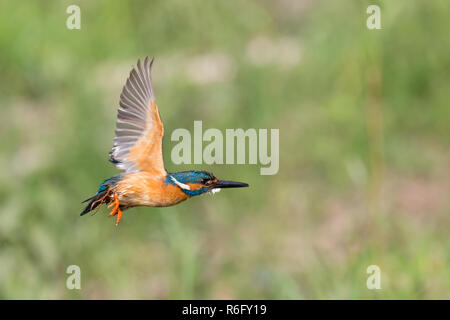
(138, 150)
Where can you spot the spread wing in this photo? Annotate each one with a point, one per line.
(139, 130)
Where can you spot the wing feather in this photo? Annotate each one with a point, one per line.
(139, 130)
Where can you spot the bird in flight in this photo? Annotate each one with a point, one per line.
(137, 150)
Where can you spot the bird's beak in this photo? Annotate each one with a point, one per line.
(229, 184)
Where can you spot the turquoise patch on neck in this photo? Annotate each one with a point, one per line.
(186, 177)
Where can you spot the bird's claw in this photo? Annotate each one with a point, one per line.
(116, 210)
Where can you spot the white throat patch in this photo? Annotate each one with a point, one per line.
(215, 190)
(181, 185)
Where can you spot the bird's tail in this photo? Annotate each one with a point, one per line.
(103, 195)
(95, 201)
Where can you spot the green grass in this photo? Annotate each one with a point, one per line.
(363, 118)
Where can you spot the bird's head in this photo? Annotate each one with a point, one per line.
(194, 183)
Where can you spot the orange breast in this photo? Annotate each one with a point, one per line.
(144, 189)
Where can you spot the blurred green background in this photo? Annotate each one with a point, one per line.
(364, 149)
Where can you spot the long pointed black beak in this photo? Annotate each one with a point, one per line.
(229, 184)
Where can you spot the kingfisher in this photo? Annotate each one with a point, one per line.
(137, 150)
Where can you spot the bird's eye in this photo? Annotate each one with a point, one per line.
(206, 181)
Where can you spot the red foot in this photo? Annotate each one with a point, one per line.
(116, 210)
